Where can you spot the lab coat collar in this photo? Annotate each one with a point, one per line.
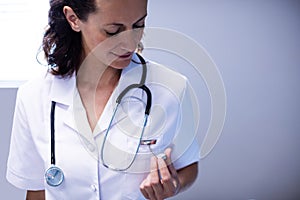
(64, 92)
(62, 89)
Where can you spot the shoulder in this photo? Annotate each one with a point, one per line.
(161, 71)
(159, 74)
(155, 72)
(45, 87)
(35, 87)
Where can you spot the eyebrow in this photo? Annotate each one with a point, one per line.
(119, 24)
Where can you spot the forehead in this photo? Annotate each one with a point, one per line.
(121, 10)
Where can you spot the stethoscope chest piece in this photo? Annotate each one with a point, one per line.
(54, 176)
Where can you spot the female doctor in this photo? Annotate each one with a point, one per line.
(90, 47)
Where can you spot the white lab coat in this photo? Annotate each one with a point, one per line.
(78, 149)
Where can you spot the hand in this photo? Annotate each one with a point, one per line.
(162, 181)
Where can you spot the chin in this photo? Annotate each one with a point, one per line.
(120, 64)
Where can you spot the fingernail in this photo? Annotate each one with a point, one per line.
(162, 156)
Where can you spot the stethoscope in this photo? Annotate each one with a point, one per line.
(140, 85)
(54, 175)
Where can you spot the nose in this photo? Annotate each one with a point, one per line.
(130, 39)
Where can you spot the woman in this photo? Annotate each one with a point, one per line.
(90, 47)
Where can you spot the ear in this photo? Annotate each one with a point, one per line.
(72, 18)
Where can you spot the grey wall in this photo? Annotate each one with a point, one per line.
(256, 47)
(7, 104)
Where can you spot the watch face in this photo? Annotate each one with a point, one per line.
(54, 176)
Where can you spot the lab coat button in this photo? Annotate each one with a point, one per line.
(94, 188)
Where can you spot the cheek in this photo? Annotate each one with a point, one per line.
(127, 41)
(103, 48)
(92, 39)
(97, 42)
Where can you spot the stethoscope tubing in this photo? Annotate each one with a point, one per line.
(52, 116)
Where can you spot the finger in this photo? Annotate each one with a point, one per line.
(151, 185)
(154, 170)
(147, 189)
(163, 170)
(169, 162)
(168, 154)
(143, 190)
(158, 191)
(155, 188)
(172, 185)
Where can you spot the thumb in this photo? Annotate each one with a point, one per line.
(169, 161)
(168, 154)
(172, 170)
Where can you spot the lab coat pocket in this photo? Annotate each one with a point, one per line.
(142, 159)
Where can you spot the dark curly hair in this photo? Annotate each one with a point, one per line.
(61, 44)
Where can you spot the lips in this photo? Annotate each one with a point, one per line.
(124, 56)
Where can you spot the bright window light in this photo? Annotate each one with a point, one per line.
(22, 27)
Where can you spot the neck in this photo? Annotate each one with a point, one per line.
(93, 74)
(95, 84)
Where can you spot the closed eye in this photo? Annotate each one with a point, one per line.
(113, 33)
(138, 26)
(109, 33)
